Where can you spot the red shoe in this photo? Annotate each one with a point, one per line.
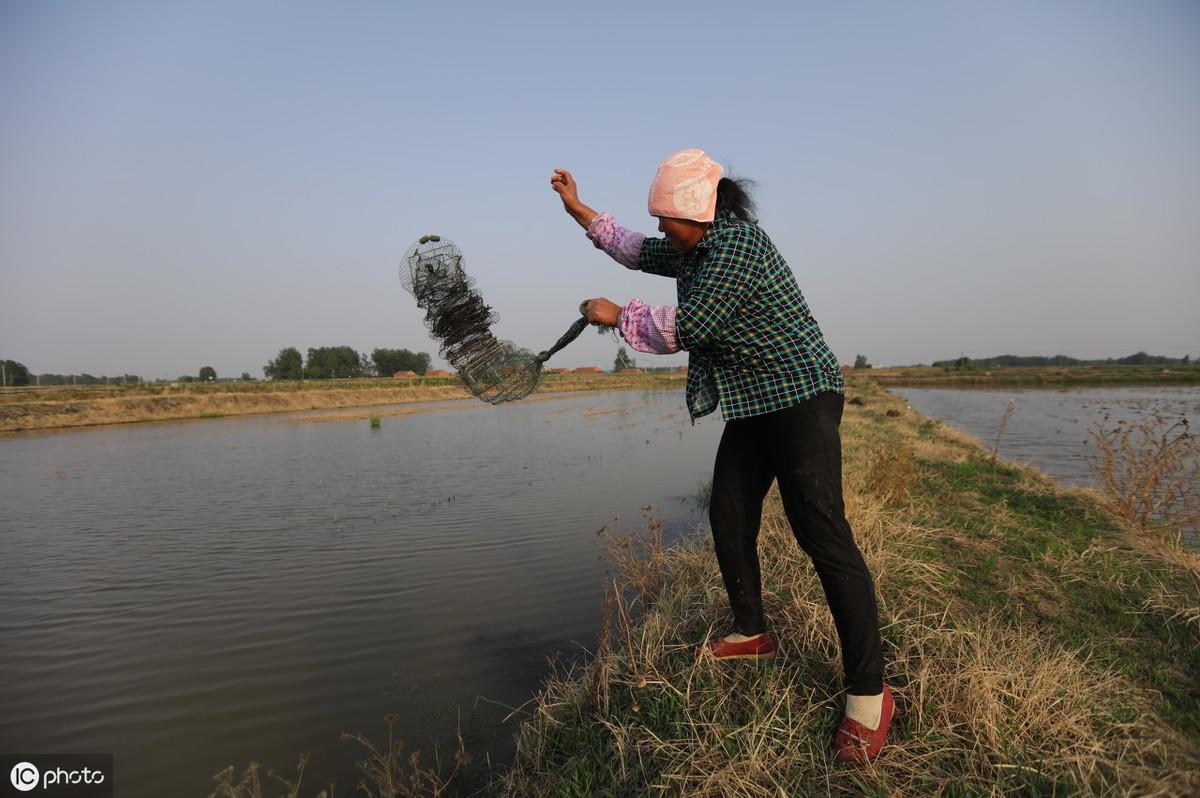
(855, 744)
(758, 647)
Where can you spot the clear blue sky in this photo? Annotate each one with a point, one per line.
(202, 183)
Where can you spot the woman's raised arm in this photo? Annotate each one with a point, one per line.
(568, 190)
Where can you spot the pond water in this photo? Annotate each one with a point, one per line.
(193, 595)
(1049, 427)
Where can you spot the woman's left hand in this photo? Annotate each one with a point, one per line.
(602, 311)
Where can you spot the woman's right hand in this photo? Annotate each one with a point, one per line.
(602, 311)
(567, 189)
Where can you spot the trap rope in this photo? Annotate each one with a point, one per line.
(494, 370)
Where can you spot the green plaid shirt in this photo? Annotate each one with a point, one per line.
(752, 343)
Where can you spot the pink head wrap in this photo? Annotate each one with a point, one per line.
(686, 187)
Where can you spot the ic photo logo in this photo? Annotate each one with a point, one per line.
(25, 776)
(57, 775)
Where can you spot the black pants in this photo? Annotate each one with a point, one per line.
(800, 447)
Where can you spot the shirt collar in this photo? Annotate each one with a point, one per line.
(719, 223)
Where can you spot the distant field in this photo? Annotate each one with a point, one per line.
(76, 406)
(1034, 375)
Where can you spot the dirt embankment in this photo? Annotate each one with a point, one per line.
(1031, 376)
(67, 406)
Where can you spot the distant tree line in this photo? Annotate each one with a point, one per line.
(338, 362)
(15, 373)
(1136, 359)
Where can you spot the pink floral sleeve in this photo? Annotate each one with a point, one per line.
(620, 244)
(649, 328)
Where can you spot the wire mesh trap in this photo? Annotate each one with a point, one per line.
(494, 370)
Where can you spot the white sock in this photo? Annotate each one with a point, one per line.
(865, 709)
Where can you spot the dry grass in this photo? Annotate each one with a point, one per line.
(991, 698)
(890, 473)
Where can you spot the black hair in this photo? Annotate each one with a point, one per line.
(733, 197)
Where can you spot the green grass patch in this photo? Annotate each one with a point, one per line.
(1057, 559)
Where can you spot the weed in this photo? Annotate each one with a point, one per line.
(1008, 411)
(702, 498)
(249, 786)
(387, 772)
(638, 556)
(1148, 471)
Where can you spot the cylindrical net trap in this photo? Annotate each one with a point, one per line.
(494, 370)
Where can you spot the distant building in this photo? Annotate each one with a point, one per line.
(404, 375)
(631, 371)
(437, 373)
(683, 369)
(588, 370)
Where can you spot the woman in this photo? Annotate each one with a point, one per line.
(755, 350)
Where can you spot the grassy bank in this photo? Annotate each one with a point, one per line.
(69, 406)
(1033, 376)
(1036, 646)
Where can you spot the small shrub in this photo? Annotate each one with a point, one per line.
(376, 423)
(639, 556)
(1148, 471)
